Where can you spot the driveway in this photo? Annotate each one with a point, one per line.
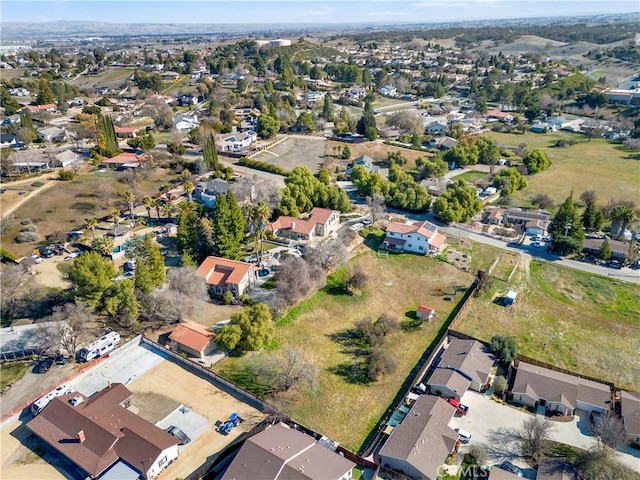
(486, 418)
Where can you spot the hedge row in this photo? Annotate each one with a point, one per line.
(263, 166)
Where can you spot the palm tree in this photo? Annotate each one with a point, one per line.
(257, 216)
(157, 203)
(169, 210)
(147, 201)
(189, 188)
(129, 197)
(92, 223)
(104, 245)
(115, 216)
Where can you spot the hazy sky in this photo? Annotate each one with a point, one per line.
(301, 11)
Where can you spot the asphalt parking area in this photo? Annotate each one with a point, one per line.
(191, 423)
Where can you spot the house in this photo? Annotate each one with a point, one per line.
(9, 140)
(540, 128)
(465, 364)
(99, 434)
(19, 92)
(630, 410)
(420, 444)
(366, 162)
(558, 392)
(10, 120)
(504, 117)
(49, 107)
(555, 469)
(65, 158)
(443, 143)
(125, 132)
(206, 193)
(497, 473)
(193, 339)
(124, 160)
(436, 128)
(414, 237)
(185, 123)
(223, 275)
(235, 142)
(425, 313)
(388, 91)
(619, 250)
(53, 134)
(321, 222)
(532, 222)
(187, 100)
(356, 94)
(281, 452)
(314, 97)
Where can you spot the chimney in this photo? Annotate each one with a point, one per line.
(293, 225)
(81, 437)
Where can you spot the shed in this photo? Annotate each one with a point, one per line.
(510, 298)
(425, 313)
(193, 339)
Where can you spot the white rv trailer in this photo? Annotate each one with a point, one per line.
(99, 347)
(39, 404)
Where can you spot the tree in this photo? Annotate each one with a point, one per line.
(283, 371)
(504, 347)
(147, 201)
(130, 198)
(542, 200)
(66, 326)
(565, 229)
(267, 126)
(534, 437)
(604, 253)
(228, 337)
(328, 112)
(376, 206)
(600, 463)
(458, 203)
(176, 148)
(380, 363)
(488, 152)
(407, 121)
(188, 189)
(509, 180)
(256, 329)
(103, 245)
(346, 153)
(257, 216)
(479, 454)
(499, 385)
(92, 223)
(610, 431)
(92, 276)
(15, 284)
(121, 302)
(210, 154)
(115, 216)
(45, 95)
(434, 167)
(229, 226)
(143, 141)
(10, 104)
(161, 113)
(296, 278)
(305, 122)
(107, 144)
(536, 161)
(621, 217)
(327, 254)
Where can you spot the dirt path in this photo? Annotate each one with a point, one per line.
(26, 198)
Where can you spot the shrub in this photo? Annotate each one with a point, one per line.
(26, 221)
(247, 301)
(37, 184)
(29, 228)
(66, 175)
(227, 298)
(263, 166)
(6, 256)
(26, 237)
(499, 384)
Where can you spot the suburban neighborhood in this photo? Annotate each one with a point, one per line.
(359, 249)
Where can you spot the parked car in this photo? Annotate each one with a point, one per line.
(510, 467)
(179, 434)
(460, 408)
(73, 255)
(463, 436)
(356, 227)
(46, 252)
(366, 221)
(43, 366)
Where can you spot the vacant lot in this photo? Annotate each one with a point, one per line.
(296, 152)
(609, 169)
(111, 77)
(584, 323)
(470, 176)
(67, 205)
(345, 408)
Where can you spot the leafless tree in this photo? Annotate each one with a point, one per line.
(296, 278)
(105, 193)
(15, 284)
(7, 163)
(376, 206)
(610, 431)
(284, 371)
(380, 363)
(65, 327)
(533, 437)
(159, 111)
(328, 253)
(632, 143)
(407, 121)
(589, 196)
(254, 190)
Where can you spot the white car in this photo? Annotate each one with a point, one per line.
(73, 255)
(356, 227)
(366, 221)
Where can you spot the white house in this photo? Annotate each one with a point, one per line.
(313, 97)
(436, 128)
(64, 159)
(185, 123)
(388, 91)
(235, 142)
(414, 237)
(53, 134)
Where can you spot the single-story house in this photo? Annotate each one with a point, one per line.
(124, 160)
(187, 100)
(366, 162)
(388, 91)
(630, 409)
(193, 339)
(420, 444)
(443, 143)
(49, 107)
(532, 222)
(99, 434)
(235, 142)
(557, 391)
(321, 222)
(540, 128)
(282, 452)
(505, 117)
(125, 132)
(185, 123)
(222, 275)
(10, 120)
(53, 134)
(206, 193)
(555, 469)
(465, 364)
(436, 128)
(619, 250)
(65, 158)
(414, 237)
(313, 97)
(9, 140)
(425, 313)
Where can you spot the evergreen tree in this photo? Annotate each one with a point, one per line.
(328, 112)
(45, 95)
(92, 276)
(210, 153)
(229, 226)
(121, 302)
(592, 217)
(26, 121)
(188, 231)
(10, 104)
(143, 280)
(605, 250)
(107, 140)
(565, 229)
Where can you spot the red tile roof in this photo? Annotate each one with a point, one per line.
(125, 129)
(320, 215)
(296, 225)
(425, 309)
(192, 335)
(437, 240)
(126, 157)
(220, 271)
(37, 108)
(425, 228)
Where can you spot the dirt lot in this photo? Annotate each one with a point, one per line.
(296, 152)
(160, 390)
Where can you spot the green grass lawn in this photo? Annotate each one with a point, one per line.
(470, 176)
(584, 323)
(344, 408)
(12, 372)
(609, 169)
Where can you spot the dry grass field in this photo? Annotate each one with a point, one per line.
(609, 169)
(111, 77)
(297, 152)
(345, 408)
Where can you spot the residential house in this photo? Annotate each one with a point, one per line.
(563, 123)
(49, 107)
(366, 162)
(280, 452)
(206, 193)
(193, 339)
(125, 132)
(497, 473)
(558, 392)
(184, 123)
(356, 94)
(65, 158)
(9, 140)
(465, 364)
(223, 275)
(321, 222)
(619, 250)
(53, 134)
(623, 97)
(497, 115)
(10, 120)
(99, 434)
(420, 444)
(532, 222)
(124, 161)
(443, 143)
(314, 97)
(235, 142)
(540, 128)
(436, 128)
(187, 100)
(388, 91)
(555, 469)
(630, 410)
(414, 237)
(19, 92)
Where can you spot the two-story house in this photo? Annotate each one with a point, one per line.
(321, 222)
(222, 275)
(414, 237)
